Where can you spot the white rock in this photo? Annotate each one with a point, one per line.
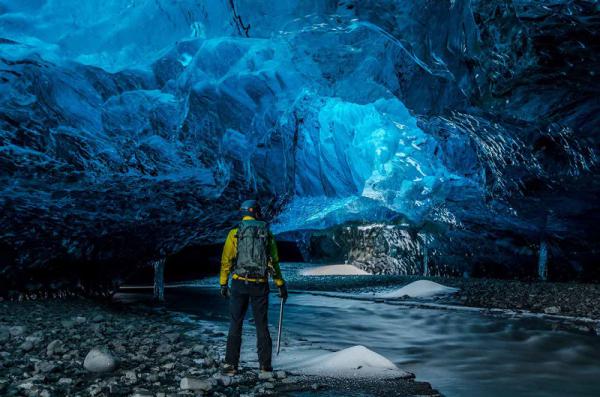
(552, 310)
(99, 360)
(189, 383)
(131, 375)
(65, 381)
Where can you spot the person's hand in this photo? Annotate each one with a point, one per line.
(225, 291)
(283, 293)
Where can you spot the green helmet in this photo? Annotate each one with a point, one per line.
(250, 208)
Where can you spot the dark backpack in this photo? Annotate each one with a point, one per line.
(252, 249)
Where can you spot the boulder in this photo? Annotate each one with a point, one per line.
(99, 360)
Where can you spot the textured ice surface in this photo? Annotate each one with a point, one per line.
(131, 129)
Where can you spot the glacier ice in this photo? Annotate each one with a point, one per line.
(132, 129)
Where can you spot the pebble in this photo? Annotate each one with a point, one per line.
(552, 310)
(4, 334)
(80, 319)
(280, 374)
(265, 375)
(189, 383)
(99, 360)
(268, 385)
(65, 381)
(16, 330)
(131, 376)
(163, 349)
(44, 367)
(67, 323)
(34, 339)
(26, 346)
(98, 318)
(55, 347)
(172, 337)
(225, 380)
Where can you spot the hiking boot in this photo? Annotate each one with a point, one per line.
(228, 370)
(266, 373)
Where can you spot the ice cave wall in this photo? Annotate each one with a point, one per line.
(132, 129)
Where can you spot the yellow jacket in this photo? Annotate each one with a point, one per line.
(230, 253)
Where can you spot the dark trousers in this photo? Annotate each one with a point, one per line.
(257, 294)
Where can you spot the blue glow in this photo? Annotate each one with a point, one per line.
(121, 116)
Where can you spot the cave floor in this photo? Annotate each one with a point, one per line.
(43, 345)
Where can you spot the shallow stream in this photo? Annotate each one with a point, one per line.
(461, 353)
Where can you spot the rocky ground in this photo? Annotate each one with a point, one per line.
(568, 299)
(79, 347)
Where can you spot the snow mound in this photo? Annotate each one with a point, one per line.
(334, 270)
(419, 289)
(353, 362)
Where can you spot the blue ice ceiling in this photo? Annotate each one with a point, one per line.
(131, 129)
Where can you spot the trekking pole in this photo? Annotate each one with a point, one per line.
(280, 326)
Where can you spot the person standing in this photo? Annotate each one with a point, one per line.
(250, 254)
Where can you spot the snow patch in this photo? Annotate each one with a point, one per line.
(334, 270)
(353, 362)
(419, 289)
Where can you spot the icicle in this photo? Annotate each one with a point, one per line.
(425, 256)
(543, 261)
(159, 280)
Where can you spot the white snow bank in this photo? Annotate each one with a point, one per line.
(353, 362)
(418, 289)
(334, 270)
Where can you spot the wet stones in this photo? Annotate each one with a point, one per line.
(59, 360)
(99, 360)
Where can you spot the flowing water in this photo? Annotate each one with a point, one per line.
(461, 353)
